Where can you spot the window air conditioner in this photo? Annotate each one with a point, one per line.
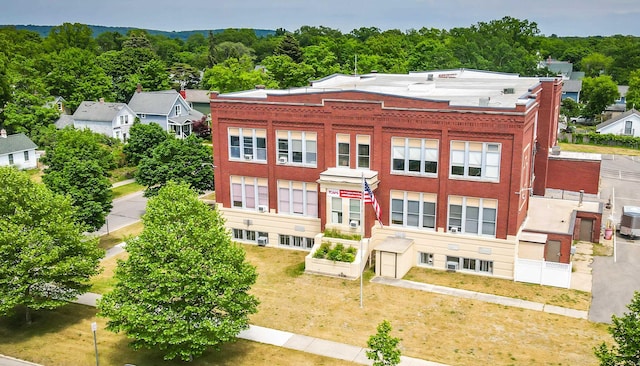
(282, 160)
(452, 266)
(454, 229)
(353, 224)
(263, 240)
(263, 208)
(248, 157)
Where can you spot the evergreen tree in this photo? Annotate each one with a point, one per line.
(289, 46)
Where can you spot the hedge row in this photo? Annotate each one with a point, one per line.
(592, 138)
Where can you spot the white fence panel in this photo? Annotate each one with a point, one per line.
(543, 272)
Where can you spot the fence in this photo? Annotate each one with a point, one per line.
(543, 272)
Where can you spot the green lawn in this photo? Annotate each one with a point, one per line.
(126, 189)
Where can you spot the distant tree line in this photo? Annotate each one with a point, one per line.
(73, 62)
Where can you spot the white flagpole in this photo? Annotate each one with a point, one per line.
(362, 193)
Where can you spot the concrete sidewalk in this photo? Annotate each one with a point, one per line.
(495, 299)
(297, 342)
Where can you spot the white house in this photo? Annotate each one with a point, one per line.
(627, 123)
(111, 119)
(166, 108)
(17, 150)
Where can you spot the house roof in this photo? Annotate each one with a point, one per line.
(155, 102)
(97, 111)
(192, 116)
(196, 95)
(64, 121)
(572, 86)
(460, 87)
(15, 142)
(617, 118)
(623, 89)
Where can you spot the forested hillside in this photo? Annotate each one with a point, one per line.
(74, 62)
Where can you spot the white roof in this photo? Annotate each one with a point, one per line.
(459, 87)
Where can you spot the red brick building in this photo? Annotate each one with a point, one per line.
(452, 157)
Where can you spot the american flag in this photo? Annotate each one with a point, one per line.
(370, 198)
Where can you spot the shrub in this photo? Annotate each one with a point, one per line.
(334, 233)
(337, 253)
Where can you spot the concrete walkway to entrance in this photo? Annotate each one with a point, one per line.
(495, 299)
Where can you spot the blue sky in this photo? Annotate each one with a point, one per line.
(564, 17)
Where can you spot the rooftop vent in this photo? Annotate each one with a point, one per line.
(484, 102)
(508, 91)
(429, 77)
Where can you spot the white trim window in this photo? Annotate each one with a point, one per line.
(297, 148)
(295, 241)
(248, 235)
(26, 156)
(336, 210)
(414, 156)
(475, 160)
(354, 211)
(363, 151)
(297, 198)
(343, 150)
(425, 259)
(124, 119)
(476, 216)
(472, 264)
(413, 209)
(249, 192)
(247, 144)
(11, 159)
(178, 109)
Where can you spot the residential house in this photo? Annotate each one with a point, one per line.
(111, 119)
(198, 99)
(166, 108)
(627, 124)
(571, 89)
(452, 157)
(17, 150)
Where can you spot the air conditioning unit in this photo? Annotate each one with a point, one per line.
(263, 240)
(263, 208)
(454, 229)
(353, 224)
(248, 157)
(452, 266)
(282, 160)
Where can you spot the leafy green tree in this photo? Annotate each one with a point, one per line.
(110, 41)
(124, 68)
(154, 76)
(596, 64)
(384, 349)
(322, 60)
(570, 108)
(598, 93)
(183, 75)
(177, 160)
(190, 280)
(226, 50)
(143, 138)
(633, 94)
(286, 73)
(70, 143)
(45, 260)
(625, 331)
(432, 55)
(70, 35)
(234, 75)
(289, 46)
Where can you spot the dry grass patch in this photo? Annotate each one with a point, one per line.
(105, 281)
(209, 196)
(123, 234)
(63, 337)
(126, 189)
(433, 327)
(596, 149)
(602, 250)
(573, 299)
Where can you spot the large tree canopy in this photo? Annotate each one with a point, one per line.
(190, 280)
(45, 260)
(625, 331)
(142, 140)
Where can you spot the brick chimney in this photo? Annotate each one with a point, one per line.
(183, 93)
(139, 88)
(3, 133)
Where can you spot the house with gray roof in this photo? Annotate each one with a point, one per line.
(17, 150)
(627, 123)
(166, 108)
(571, 89)
(111, 119)
(198, 99)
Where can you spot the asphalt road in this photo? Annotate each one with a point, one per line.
(616, 278)
(126, 210)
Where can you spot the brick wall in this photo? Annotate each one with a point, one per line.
(573, 175)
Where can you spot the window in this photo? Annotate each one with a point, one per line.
(343, 150)
(297, 198)
(248, 192)
(354, 210)
(178, 110)
(124, 119)
(363, 151)
(336, 210)
(472, 215)
(245, 235)
(413, 209)
(248, 144)
(296, 241)
(476, 160)
(470, 264)
(10, 158)
(628, 127)
(425, 259)
(297, 147)
(60, 107)
(26, 156)
(414, 156)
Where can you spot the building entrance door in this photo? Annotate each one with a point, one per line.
(586, 230)
(388, 264)
(552, 251)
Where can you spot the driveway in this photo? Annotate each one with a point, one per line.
(616, 278)
(126, 210)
